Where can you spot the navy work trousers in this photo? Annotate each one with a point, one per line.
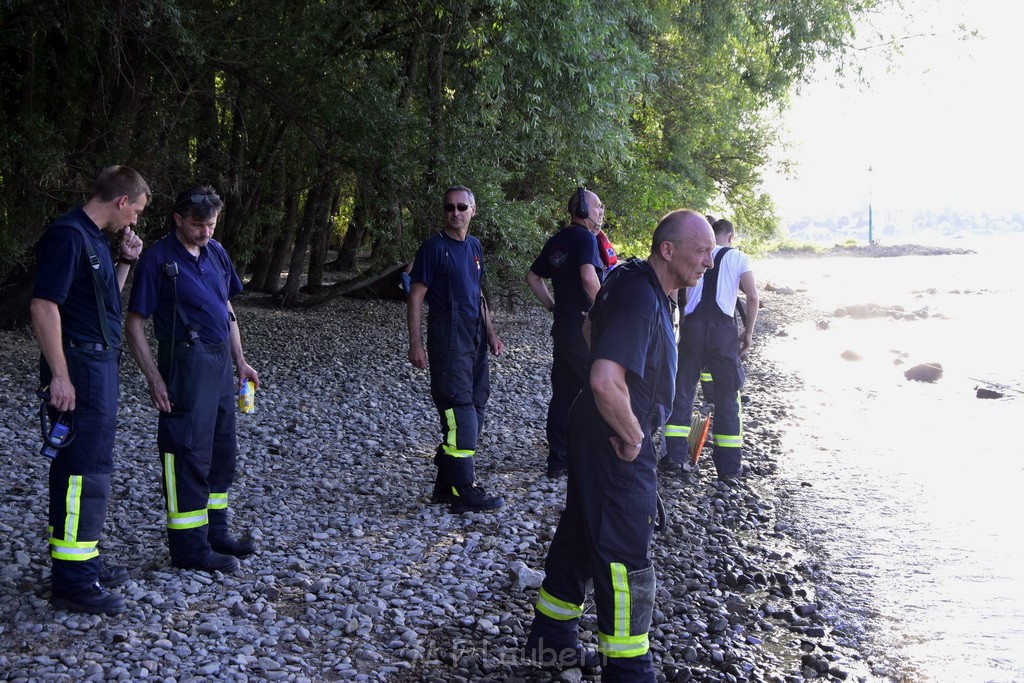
(80, 474)
(197, 443)
(570, 370)
(603, 534)
(710, 342)
(459, 387)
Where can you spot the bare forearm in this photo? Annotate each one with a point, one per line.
(540, 290)
(134, 334)
(46, 325)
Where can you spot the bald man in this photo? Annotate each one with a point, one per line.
(604, 533)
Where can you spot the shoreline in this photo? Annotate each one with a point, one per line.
(357, 577)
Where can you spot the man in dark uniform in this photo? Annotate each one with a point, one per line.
(186, 281)
(448, 272)
(708, 342)
(572, 262)
(604, 533)
(76, 316)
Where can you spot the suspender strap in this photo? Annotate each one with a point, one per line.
(97, 281)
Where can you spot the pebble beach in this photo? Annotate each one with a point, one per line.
(357, 576)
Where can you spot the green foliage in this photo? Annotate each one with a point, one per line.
(654, 104)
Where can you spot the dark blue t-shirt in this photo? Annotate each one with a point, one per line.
(632, 323)
(560, 260)
(64, 276)
(452, 271)
(205, 284)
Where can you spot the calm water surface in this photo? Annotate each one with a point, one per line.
(914, 497)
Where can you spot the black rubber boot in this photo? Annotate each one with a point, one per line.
(93, 600)
(473, 497)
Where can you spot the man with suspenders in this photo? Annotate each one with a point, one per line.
(76, 316)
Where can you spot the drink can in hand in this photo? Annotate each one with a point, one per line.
(247, 397)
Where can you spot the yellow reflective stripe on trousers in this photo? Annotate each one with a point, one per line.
(621, 643)
(705, 377)
(728, 440)
(170, 483)
(187, 520)
(190, 519)
(75, 551)
(73, 506)
(623, 646)
(677, 430)
(560, 610)
(218, 501)
(69, 547)
(620, 591)
(449, 439)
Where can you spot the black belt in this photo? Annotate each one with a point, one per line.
(86, 346)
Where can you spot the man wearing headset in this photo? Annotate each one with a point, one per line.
(570, 259)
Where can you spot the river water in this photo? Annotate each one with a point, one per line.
(908, 493)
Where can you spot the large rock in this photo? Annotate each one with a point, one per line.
(925, 372)
(524, 577)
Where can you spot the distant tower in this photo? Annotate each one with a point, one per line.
(871, 225)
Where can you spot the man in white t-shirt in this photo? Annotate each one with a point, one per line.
(708, 340)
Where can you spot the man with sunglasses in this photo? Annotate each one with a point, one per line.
(186, 282)
(76, 316)
(448, 273)
(570, 258)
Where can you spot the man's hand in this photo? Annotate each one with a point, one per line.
(158, 394)
(497, 346)
(246, 372)
(627, 452)
(418, 356)
(745, 343)
(62, 394)
(131, 244)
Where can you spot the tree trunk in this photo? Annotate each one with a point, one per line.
(284, 240)
(320, 241)
(310, 213)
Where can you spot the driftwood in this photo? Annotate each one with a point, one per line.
(385, 284)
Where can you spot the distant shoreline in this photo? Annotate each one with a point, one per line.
(868, 251)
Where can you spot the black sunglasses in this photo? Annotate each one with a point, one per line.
(460, 206)
(210, 199)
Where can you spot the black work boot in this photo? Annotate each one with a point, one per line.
(470, 497)
(93, 600)
(221, 540)
(226, 544)
(442, 491)
(211, 562)
(111, 577)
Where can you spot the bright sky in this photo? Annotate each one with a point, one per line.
(940, 126)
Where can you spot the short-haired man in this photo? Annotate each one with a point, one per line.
(76, 316)
(708, 341)
(570, 258)
(186, 282)
(604, 533)
(448, 273)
